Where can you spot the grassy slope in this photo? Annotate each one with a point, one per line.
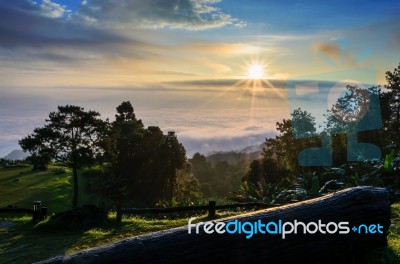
(25, 242)
(394, 235)
(20, 186)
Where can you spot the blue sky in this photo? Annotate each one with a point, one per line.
(297, 16)
(184, 64)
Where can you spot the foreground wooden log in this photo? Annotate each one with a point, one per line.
(359, 205)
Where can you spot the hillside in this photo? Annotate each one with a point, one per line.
(20, 186)
(22, 241)
(16, 154)
(249, 153)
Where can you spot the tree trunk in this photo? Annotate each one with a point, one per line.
(359, 205)
(75, 192)
(119, 214)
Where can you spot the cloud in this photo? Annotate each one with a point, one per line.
(212, 144)
(223, 83)
(370, 45)
(51, 9)
(207, 83)
(220, 48)
(253, 128)
(330, 49)
(176, 73)
(174, 14)
(25, 24)
(203, 120)
(207, 129)
(107, 32)
(46, 8)
(333, 52)
(36, 40)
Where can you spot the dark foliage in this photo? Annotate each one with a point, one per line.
(277, 177)
(84, 218)
(140, 164)
(71, 137)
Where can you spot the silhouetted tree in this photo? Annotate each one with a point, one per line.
(204, 172)
(390, 108)
(121, 156)
(140, 163)
(71, 136)
(151, 176)
(221, 178)
(40, 151)
(294, 135)
(277, 167)
(264, 171)
(356, 112)
(187, 188)
(175, 158)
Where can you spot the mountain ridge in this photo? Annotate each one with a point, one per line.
(16, 154)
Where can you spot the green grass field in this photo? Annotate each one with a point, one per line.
(22, 241)
(20, 186)
(25, 242)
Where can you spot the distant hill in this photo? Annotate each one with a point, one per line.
(16, 154)
(248, 153)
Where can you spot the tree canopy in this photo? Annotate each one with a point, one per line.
(71, 136)
(139, 165)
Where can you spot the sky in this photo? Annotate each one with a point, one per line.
(184, 64)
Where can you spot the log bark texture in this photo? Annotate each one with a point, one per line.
(358, 205)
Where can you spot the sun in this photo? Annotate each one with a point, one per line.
(255, 71)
